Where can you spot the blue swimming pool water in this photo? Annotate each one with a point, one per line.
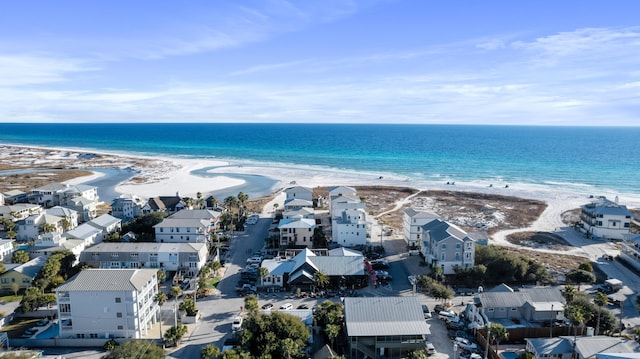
(509, 355)
(48, 333)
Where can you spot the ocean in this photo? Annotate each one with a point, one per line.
(586, 158)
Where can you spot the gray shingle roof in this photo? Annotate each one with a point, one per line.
(378, 316)
(144, 247)
(108, 280)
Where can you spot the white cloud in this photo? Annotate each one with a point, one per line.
(25, 69)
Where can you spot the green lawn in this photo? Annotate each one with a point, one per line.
(10, 298)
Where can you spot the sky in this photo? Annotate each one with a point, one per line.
(543, 62)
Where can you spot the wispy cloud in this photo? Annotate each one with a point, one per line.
(26, 69)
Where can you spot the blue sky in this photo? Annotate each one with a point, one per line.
(391, 61)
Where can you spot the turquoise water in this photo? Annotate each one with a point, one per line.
(592, 157)
(50, 332)
(509, 355)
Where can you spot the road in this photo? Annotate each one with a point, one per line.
(218, 312)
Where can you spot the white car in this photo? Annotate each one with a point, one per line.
(236, 326)
(430, 349)
(464, 343)
(286, 306)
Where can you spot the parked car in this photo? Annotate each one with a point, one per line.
(267, 306)
(236, 326)
(286, 306)
(465, 343)
(379, 264)
(303, 306)
(426, 312)
(444, 314)
(438, 308)
(430, 349)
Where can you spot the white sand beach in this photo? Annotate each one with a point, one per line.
(167, 176)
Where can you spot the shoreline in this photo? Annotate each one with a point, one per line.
(161, 175)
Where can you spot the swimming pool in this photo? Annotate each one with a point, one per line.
(49, 333)
(509, 355)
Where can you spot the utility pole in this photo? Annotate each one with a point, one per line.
(486, 349)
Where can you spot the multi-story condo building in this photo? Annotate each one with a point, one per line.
(297, 231)
(127, 207)
(172, 230)
(605, 219)
(446, 245)
(108, 303)
(350, 228)
(412, 221)
(54, 194)
(187, 258)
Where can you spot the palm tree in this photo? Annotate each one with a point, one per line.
(332, 331)
(209, 351)
(569, 293)
(175, 334)
(242, 199)
(600, 300)
(321, 279)
(264, 273)
(160, 298)
(230, 202)
(161, 275)
(66, 223)
(437, 272)
(498, 333)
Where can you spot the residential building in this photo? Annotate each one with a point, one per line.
(6, 249)
(167, 204)
(412, 221)
(40, 228)
(581, 347)
(96, 230)
(86, 208)
(304, 212)
(297, 231)
(205, 214)
(174, 230)
(342, 271)
(384, 327)
(350, 228)
(187, 258)
(54, 194)
(18, 211)
(13, 197)
(446, 245)
(604, 219)
(298, 192)
(75, 246)
(528, 305)
(22, 274)
(108, 303)
(127, 207)
(69, 214)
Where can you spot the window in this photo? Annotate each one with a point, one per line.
(161, 230)
(443, 246)
(119, 315)
(134, 255)
(93, 335)
(457, 245)
(442, 257)
(80, 336)
(118, 300)
(120, 327)
(115, 255)
(65, 308)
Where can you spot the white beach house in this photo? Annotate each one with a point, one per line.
(605, 219)
(412, 221)
(108, 303)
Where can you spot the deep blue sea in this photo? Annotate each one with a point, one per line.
(591, 157)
